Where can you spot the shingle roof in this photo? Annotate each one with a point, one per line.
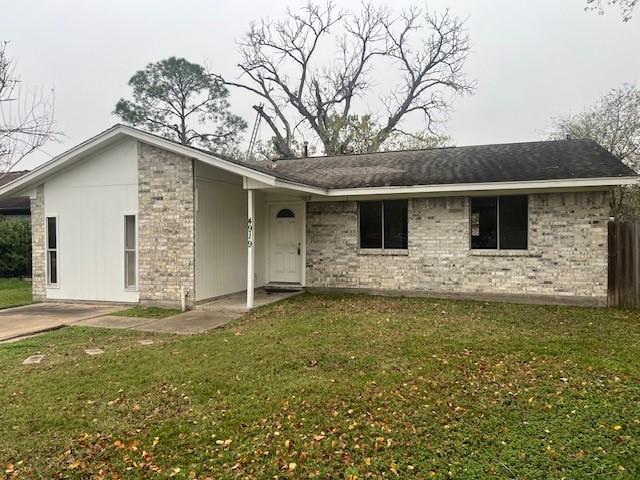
(15, 204)
(511, 162)
(584, 161)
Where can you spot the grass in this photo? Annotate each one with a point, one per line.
(14, 292)
(147, 312)
(334, 387)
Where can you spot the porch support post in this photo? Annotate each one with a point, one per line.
(251, 211)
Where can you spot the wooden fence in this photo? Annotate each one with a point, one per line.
(624, 265)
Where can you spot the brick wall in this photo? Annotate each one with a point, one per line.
(567, 254)
(38, 245)
(165, 226)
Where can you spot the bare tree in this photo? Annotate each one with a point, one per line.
(359, 133)
(613, 122)
(26, 116)
(626, 7)
(281, 64)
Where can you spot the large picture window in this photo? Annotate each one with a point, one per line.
(52, 251)
(130, 251)
(499, 223)
(383, 224)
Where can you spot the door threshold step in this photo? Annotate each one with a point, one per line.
(283, 287)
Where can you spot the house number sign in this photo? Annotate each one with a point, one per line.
(249, 232)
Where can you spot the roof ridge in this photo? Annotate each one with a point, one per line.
(451, 147)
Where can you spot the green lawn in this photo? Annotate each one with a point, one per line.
(334, 387)
(14, 292)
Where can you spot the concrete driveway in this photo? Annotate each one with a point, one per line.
(40, 317)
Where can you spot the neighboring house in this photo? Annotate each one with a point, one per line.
(14, 208)
(131, 217)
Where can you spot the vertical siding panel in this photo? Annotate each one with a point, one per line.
(221, 247)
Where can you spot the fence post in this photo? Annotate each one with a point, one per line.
(611, 277)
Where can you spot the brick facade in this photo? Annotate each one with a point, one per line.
(38, 246)
(166, 226)
(567, 255)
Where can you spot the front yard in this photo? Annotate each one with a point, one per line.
(14, 292)
(334, 387)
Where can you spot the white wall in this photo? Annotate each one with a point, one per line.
(221, 233)
(90, 200)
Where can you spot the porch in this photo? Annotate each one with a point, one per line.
(237, 302)
(249, 236)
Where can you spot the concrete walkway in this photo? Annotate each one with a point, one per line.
(188, 323)
(41, 317)
(203, 318)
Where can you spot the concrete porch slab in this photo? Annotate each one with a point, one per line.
(237, 302)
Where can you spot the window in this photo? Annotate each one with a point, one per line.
(499, 222)
(130, 251)
(52, 251)
(285, 213)
(384, 224)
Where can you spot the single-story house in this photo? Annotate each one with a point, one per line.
(17, 207)
(128, 216)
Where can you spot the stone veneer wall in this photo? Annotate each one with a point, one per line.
(567, 253)
(38, 246)
(166, 226)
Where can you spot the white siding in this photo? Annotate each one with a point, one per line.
(90, 200)
(261, 237)
(221, 233)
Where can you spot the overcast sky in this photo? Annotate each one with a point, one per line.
(531, 60)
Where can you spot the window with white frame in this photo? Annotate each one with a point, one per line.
(383, 224)
(499, 223)
(52, 251)
(130, 244)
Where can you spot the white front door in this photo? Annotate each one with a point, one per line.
(284, 243)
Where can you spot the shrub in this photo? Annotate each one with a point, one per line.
(15, 247)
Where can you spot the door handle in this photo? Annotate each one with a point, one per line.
(298, 248)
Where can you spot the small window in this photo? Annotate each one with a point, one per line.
(52, 251)
(130, 251)
(285, 213)
(384, 224)
(499, 223)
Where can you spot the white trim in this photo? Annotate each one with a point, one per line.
(302, 188)
(488, 186)
(121, 131)
(251, 240)
(303, 251)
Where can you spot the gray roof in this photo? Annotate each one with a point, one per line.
(510, 162)
(15, 205)
(506, 162)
